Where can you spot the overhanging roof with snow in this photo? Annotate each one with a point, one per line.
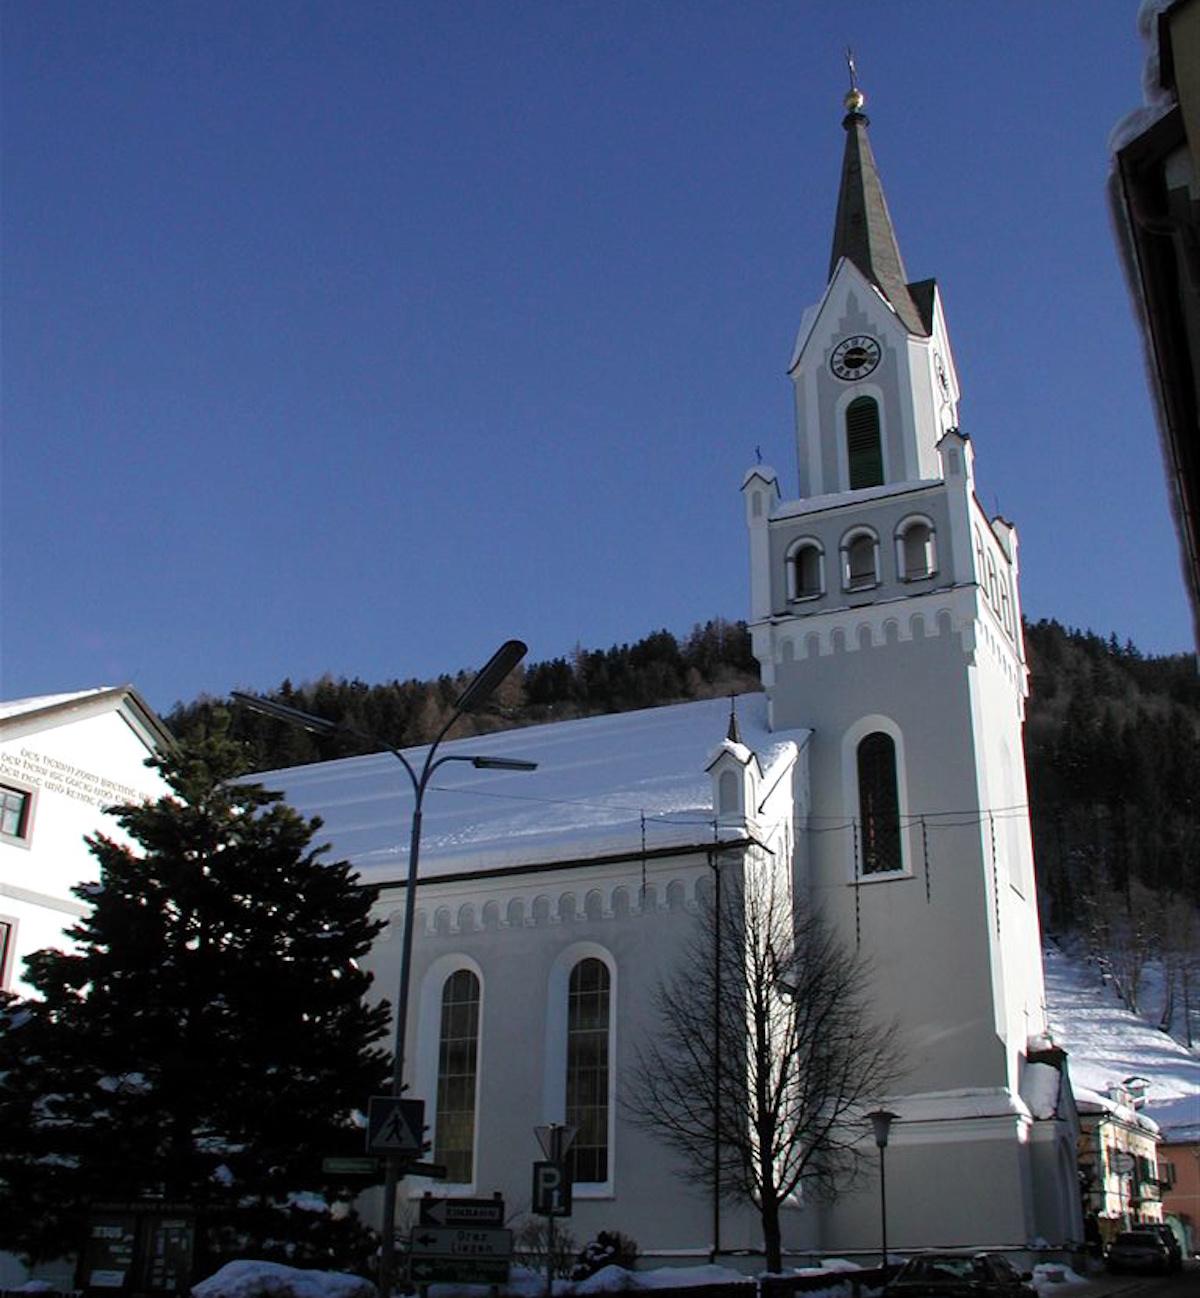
(608, 786)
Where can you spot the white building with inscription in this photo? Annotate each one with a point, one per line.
(883, 765)
(63, 759)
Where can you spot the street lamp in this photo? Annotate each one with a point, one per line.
(474, 696)
(881, 1121)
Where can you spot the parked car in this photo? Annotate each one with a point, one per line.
(1171, 1240)
(960, 1275)
(1139, 1250)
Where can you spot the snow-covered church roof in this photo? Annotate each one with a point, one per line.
(604, 786)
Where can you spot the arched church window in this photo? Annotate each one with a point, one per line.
(860, 566)
(806, 576)
(728, 794)
(864, 446)
(458, 1066)
(915, 553)
(1006, 613)
(993, 583)
(878, 804)
(587, 1107)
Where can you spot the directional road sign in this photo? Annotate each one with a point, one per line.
(449, 1270)
(395, 1126)
(461, 1212)
(459, 1255)
(365, 1166)
(461, 1241)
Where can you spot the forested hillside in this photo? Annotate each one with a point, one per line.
(1112, 750)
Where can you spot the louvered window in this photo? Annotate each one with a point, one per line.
(878, 804)
(864, 450)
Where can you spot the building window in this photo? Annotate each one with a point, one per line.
(15, 808)
(729, 802)
(458, 1066)
(806, 578)
(860, 567)
(864, 447)
(915, 554)
(8, 933)
(588, 1014)
(878, 804)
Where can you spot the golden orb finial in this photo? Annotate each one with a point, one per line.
(854, 98)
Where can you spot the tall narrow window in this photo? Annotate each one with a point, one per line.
(878, 804)
(458, 1060)
(588, 1009)
(864, 449)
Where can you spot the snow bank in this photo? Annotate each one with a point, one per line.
(272, 1280)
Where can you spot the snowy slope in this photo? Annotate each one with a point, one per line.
(1105, 1044)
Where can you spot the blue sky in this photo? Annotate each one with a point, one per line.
(358, 337)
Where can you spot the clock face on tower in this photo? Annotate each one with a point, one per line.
(855, 358)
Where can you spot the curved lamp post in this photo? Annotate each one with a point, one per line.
(474, 696)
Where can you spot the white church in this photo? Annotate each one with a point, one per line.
(884, 762)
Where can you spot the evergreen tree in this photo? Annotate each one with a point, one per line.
(207, 1040)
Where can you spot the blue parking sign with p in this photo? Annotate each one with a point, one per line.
(551, 1190)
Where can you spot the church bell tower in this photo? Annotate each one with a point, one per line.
(885, 615)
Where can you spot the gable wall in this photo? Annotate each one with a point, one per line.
(74, 768)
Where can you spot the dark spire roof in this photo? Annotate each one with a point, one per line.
(863, 230)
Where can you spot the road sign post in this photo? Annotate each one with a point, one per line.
(552, 1185)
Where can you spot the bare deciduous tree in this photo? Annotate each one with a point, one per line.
(764, 1055)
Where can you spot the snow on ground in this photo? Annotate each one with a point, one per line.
(272, 1280)
(1106, 1043)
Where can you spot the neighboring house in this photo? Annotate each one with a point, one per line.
(1179, 1166)
(883, 768)
(1118, 1160)
(1155, 197)
(63, 759)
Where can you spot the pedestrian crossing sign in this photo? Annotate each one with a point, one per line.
(395, 1126)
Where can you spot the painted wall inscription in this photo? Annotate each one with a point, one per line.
(56, 776)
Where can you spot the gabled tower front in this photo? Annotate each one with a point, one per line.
(885, 615)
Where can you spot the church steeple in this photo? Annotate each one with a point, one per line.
(863, 230)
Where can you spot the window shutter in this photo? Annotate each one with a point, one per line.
(863, 448)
